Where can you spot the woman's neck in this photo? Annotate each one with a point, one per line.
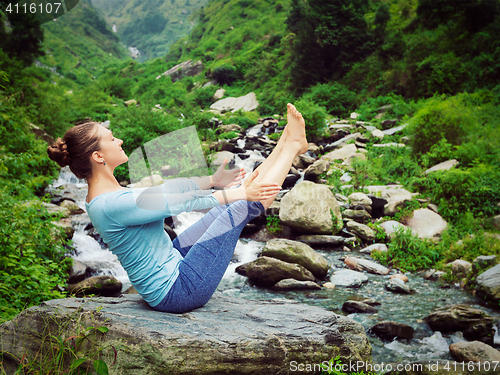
(100, 183)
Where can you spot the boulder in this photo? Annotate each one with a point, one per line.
(76, 272)
(348, 278)
(229, 128)
(425, 223)
(444, 166)
(292, 284)
(105, 285)
(474, 351)
(483, 262)
(488, 284)
(343, 153)
(460, 267)
(394, 130)
(319, 167)
(72, 207)
(390, 227)
(351, 307)
(399, 276)
(377, 134)
(227, 335)
(185, 69)
(303, 161)
(375, 246)
(365, 265)
(363, 231)
(297, 252)
(397, 285)
(218, 158)
(54, 209)
(266, 271)
(474, 323)
(67, 230)
(389, 330)
(130, 103)
(360, 216)
(395, 197)
(321, 239)
(219, 94)
(246, 103)
(360, 199)
(311, 208)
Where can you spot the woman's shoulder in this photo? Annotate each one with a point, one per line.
(91, 199)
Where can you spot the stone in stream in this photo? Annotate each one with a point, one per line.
(388, 330)
(311, 208)
(360, 199)
(351, 307)
(348, 278)
(474, 323)
(226, 336)
(375, 246)
(101, 285)
(483, 262)
(344, 153)
(425, 223)
(475, 351)
(317, 168)
(297, 252)
(363, 231)
(397, 285)
(266, 271)
(76, 272)
(488, 284)
(292, 284)
(321, 239)
(360, 216)
(460, 267)
(361, 264)
(72, 207)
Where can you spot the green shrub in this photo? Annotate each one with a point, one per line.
(336, 98)
(273, 224)
(314, 116)
(408, 253)
(225, 74)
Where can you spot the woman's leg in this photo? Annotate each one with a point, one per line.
(296, 144)
(206, 262)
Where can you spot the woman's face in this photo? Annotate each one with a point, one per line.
(111, 150)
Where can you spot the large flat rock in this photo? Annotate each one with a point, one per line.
(226, 336)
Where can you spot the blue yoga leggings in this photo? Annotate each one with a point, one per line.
(207, 247)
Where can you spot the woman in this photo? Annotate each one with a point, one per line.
(181, 275)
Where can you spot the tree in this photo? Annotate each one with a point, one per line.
(329, 38)
(24, 39)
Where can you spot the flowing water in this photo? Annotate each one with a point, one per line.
(408, 309)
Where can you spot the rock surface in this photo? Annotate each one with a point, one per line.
(297, 252)
(348, 278)
(475, 351)
(246, 103)
(444, 166)
(184, 69)
(266, 271)
(474, 323)
(361, 264)
(488, 284)
(308, 208)
(426, 223)
(228, 335)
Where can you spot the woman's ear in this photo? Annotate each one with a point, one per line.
(96, 157)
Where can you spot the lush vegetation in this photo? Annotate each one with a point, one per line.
(434, 66)
(151, 26)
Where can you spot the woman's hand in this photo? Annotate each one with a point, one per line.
(258, 191)
(229, 177)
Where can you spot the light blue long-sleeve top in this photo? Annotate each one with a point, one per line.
(130, 222)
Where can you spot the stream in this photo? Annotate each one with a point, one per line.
(408, 309)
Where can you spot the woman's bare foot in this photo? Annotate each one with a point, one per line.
(296, 129)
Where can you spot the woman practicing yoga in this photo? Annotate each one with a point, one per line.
(181, 275)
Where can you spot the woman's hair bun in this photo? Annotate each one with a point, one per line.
(58, 151)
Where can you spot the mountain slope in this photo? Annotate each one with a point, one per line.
(79, 43)
(151, 26)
